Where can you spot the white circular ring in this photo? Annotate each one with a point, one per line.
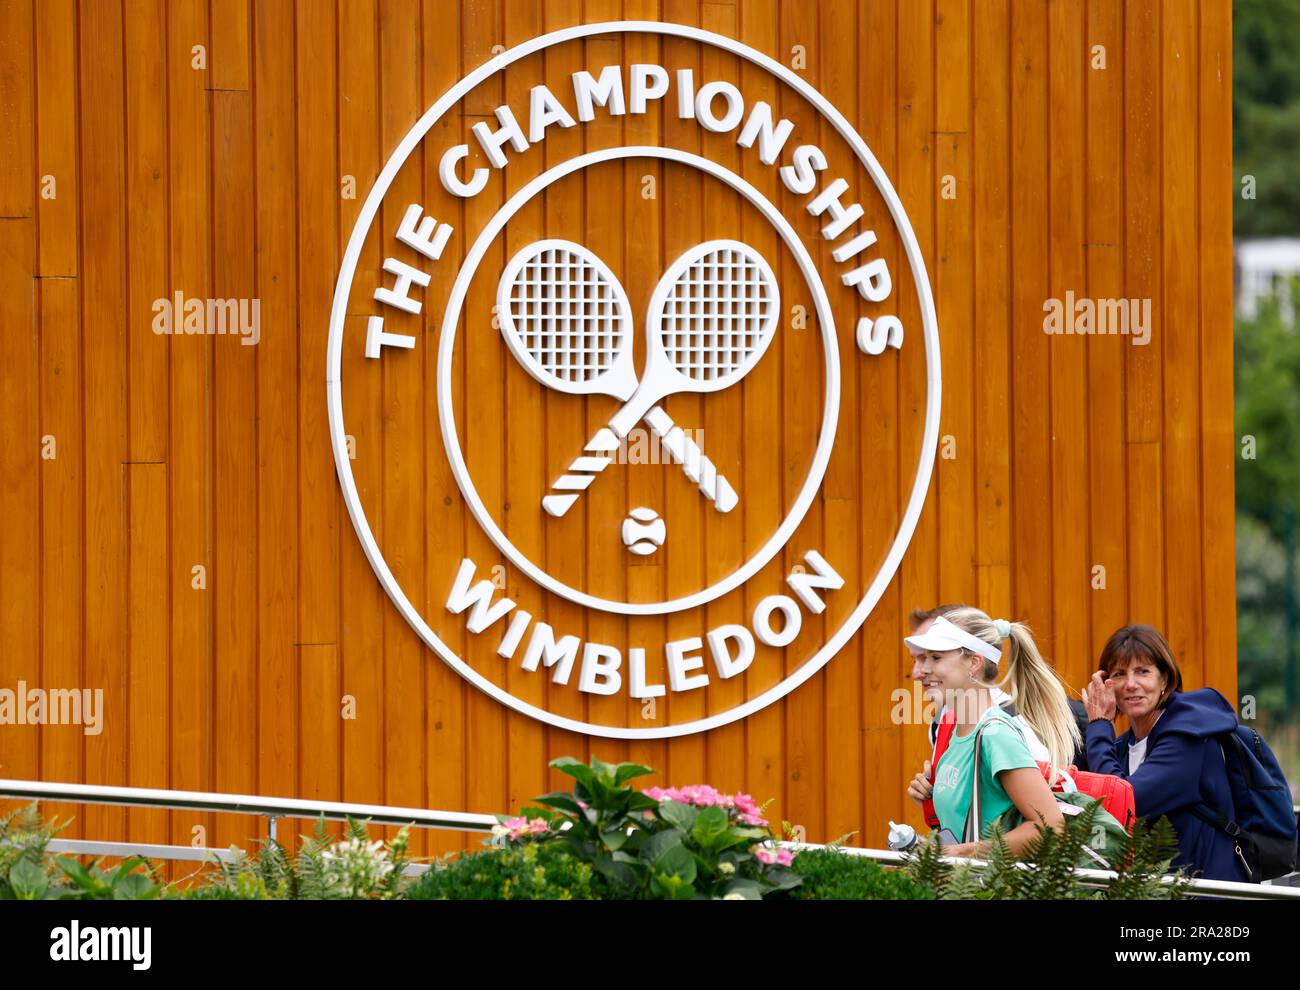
(334, 390)
(830, 409)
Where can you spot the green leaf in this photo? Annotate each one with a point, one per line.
(659, 843)
(135, 887)
(639, 802)
(680, 815)
(28, 880)
(627, 771)
(580, 772)
(747, 888)
(614, 839)
(80, 875)
(711, 829)
(782, 878)
(672, 887)
(619, 874)
(677, 861)
(558, 799)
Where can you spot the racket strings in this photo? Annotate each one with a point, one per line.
(565, 312)
(718, 312)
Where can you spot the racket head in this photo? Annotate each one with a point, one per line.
(567, 319)
(711, 318)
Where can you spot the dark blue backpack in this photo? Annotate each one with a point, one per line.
(1264, 826)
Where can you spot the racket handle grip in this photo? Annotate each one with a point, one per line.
(581, 472)
(694, 462)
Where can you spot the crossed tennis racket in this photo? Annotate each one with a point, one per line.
(568, 320)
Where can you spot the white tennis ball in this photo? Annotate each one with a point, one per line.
(643, 531)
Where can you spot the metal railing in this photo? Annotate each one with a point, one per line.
(274, 809)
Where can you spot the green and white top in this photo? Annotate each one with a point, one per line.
(1002, 747)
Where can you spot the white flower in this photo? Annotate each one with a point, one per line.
(726, 869)
(733, 897)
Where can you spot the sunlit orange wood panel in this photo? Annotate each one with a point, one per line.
(174, 531)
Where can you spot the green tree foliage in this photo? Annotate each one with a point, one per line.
(1267, 396)
(1266, 114)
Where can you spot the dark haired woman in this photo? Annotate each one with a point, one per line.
(1170, 754)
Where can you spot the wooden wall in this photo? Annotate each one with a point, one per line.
(225, 181)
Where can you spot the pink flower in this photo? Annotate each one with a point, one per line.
(746, 819)
(746, 804)
(781, 857)
(701, 795)
(517, 827)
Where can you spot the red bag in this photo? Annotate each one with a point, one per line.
(1115, 793)
(947, 722)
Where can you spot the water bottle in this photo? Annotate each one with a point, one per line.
(901, 837)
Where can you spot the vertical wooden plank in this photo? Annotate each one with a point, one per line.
(318, 501)
(230, 40)
(277, 415)
(1218, 635)
(147, 231)
(320, 739)
(103, 287)
(760, 463)
(403, 496)
(62, 477)
(891, 753)
(148, 657)
(234, 581)
(150, 584)
(1144, 378)
(953, 278)
(992, 327)
(56, 154)
(843, 720)
(20, 563)
(604, 229)
(723, 424)
(805, 739)
(17, 96)
(1180, 341)
(566, 428)
(1104, 257)
(1067, 354)
(525, 427)
(446, 693)
(914, 179)
(682, 191)
(363, 601)
(189, 455)
(1032, 516)
(643, 263)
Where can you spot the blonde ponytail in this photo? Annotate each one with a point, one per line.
(1040, 697)
(1038, 693)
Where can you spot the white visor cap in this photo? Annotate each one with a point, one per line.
(943, 636)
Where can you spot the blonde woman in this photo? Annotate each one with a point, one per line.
(961, 655)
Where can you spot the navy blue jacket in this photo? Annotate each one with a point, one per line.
(1183, 766)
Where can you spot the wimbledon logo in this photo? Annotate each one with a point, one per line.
(618, 251)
